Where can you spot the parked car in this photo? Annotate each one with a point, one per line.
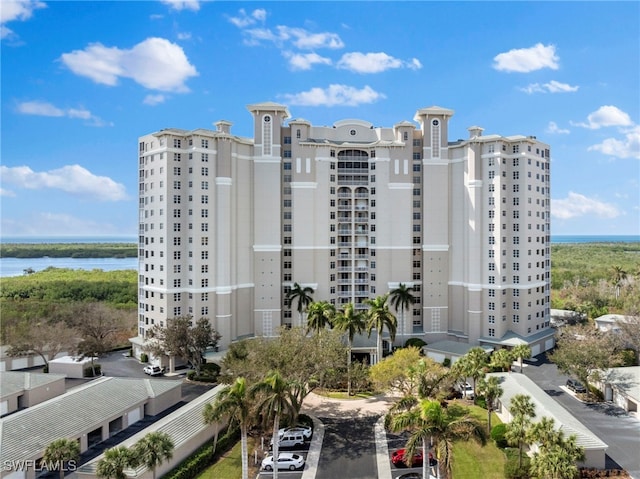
(414, 475)
(398, 458)
(153, 370)
(576, 386)
(290, 439)
(286, 460)
(465, 389)
(306, 431)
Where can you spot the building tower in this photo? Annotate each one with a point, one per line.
(228, 224)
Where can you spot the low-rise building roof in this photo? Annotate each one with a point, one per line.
(12, 382)
(513, 384)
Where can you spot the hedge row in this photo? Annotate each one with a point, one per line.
(205, 456)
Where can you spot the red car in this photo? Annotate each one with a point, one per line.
(398, 459)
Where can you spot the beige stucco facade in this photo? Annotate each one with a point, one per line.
(228, 224)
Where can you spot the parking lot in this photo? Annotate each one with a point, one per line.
(301, 451)
(395, 442)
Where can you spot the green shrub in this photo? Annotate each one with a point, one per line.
(596, 392)
(89, 371)
(144, 358)
(211, 369)
(480, 401)
(497, 435)
(204, 456)
(45, 369)
(446, 363)
(629, 357)
(414, 342)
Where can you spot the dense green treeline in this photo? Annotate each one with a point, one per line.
(117, 288)
(68, 250)
(591, 261)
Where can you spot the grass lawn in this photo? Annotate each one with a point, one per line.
(229, 466)
(471, 460)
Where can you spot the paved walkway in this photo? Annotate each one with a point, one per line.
(319, 407)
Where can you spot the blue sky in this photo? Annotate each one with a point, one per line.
(81, 81)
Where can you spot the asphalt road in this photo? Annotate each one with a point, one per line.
(348, 449)
(619, 430)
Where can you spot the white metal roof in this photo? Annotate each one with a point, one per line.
(545, 405)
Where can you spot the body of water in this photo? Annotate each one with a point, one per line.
(16, 266)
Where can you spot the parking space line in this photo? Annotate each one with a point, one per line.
(382, 450)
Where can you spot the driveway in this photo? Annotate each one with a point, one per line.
(619, 430)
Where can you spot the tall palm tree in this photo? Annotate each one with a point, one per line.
(619, 276)
(320, 314)
(471, 365)
(351, 321)
(153, 449)
(380, 317)
(274, 402)
(234, 402)
(114, 462)
(302, 296)
(521, 351)
(502, 359)
(491, 390)
(429, 420)
(522, 410)
(402, 299)
(61, 451)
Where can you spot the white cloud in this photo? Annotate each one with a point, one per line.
(306, 40)
(607, 115)
(73, 179)
(551, 87)
(42, 108)
(244, 20)
(526, 60)
(193, 5)
(155, 63)
(12, 10)
(184, 36)
(576, 205)
(374, 62)
(628, 147)
(7, 193)
(335, 95)
(154, 99)
(305, 61)
(553, 128)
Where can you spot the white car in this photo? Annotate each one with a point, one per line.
(286, 460)
(306, 431)
(465, 389)
(153, 370)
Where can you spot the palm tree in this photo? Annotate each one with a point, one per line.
(521, 351)
(472, 365)
(319, 315)
(153, 449)
(114, 462)
(274, 402)
(61, 451)
(380, 317)
(402, 299)
(502, 359)
(491, 390)
(352, 322)
(234, 402)
(302, 296)
(557, 456)
(522, 410)
(430, 421)
(619, 276)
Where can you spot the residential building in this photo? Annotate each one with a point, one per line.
(227, 224)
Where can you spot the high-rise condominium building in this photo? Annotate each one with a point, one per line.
(228, 224)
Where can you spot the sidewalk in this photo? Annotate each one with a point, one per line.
(320, 406)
